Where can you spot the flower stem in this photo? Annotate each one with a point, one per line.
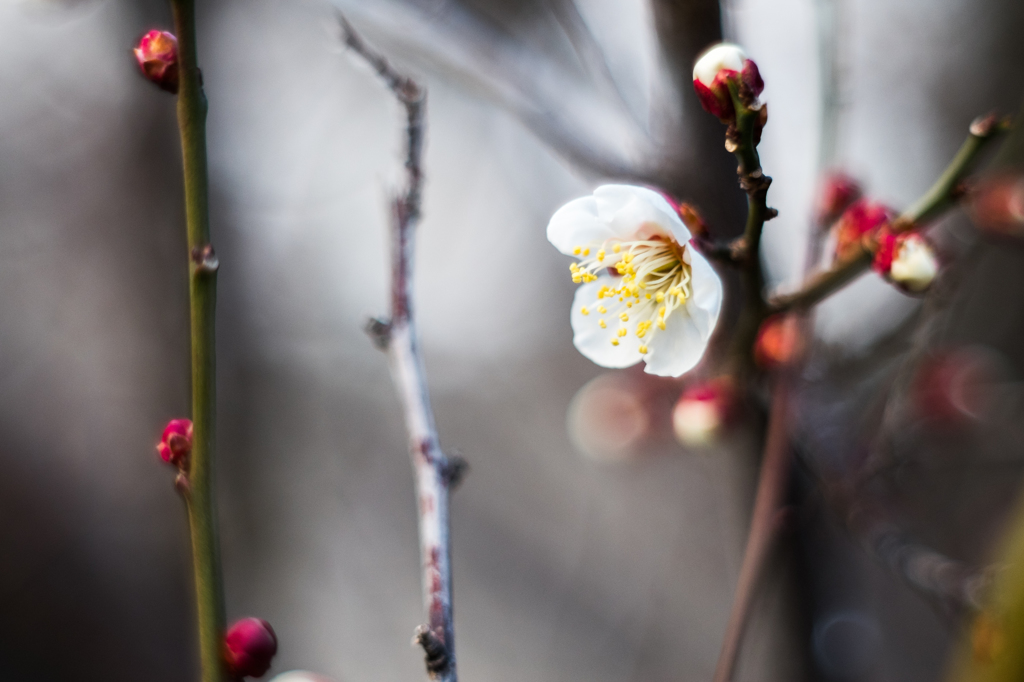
(202, 296)
(941, 196)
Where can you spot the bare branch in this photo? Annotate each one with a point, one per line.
(434, 472)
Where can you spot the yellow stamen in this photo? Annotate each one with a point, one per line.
(643, 350)
(584, 310)
(603, 325)
(624, 317)
(615, 342)
(616, 248)
(622, 331)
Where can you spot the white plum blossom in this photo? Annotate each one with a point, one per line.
(914, 264)
(646, 293)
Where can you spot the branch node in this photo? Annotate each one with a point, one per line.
(205, 259)
(434, 650)
(453, 470)
(379, 331)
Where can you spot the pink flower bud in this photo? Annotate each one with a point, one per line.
(176, 443)
(157, 55)
(835, 194)
(997, 205)
(703, 411)
(778, 341)
(249, 646)
(717, 68)
(860, 219)
(907, 260)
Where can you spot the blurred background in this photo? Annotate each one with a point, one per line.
(607, 558)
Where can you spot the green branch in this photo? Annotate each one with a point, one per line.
(202, 294)
(940, 197)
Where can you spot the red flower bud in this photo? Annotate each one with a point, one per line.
(861, 218)
(835, 194)
(907, 260)
(703, 410)
(778, 341)
(717, 68)
(997, 205)
(176, 443)
(249, 646)
(157, 55)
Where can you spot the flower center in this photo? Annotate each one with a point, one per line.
(652, 281)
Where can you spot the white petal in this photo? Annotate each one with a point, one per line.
(680, 346)
(630, 210)
(592, 341)
(713, 60)
(677, 348)
(705, 304)
(577, 224)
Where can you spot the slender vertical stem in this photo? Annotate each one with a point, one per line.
(202, 295)
(435, 473)
(765, 523)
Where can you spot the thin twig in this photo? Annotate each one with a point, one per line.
(434, 471)
(941, 196)
(765, 524)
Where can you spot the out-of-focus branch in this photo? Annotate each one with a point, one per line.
(765, 524)
(567, 112)
(941, 196)
(434, 472)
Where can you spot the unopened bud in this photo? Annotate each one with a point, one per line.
(997, 205)
(778, 341)
(835, 194)
(717, 68)
(702, 412)
(906, 260)
(176, 442)
(861, 218)
(157, 55)
(249, 647)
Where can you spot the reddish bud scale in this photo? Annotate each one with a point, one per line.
(835, 194)
(888, 244)
(249, 647)
(157, 55)
(716, 98)
(176, 442)
(860, 219)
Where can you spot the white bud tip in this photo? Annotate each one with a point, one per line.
(915, 265)
(716, 58)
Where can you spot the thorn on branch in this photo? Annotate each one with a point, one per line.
(379, 332)
(770, 213)
(183, 485)
(435, 652)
